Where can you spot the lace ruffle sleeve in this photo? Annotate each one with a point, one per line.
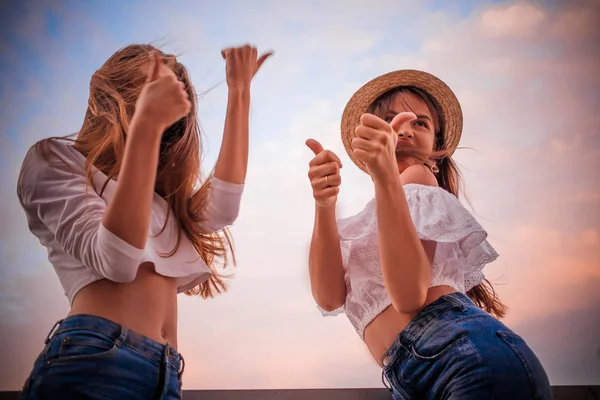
(438, 216)
(462, 249)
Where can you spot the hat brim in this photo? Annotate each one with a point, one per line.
(364, 97)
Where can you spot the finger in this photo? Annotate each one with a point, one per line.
(225, 53)
(315, 146)
(331, 156)
(185, 92)
(183, 98)
(401, 119)
(364, 144)
(324, 157)
(373, 121)
(188, 107)
(366, 132)
(262, 59)
(323, 182)
(320, 171)
(363, 155)
(326, 193)
(154, 70)
(332, 180)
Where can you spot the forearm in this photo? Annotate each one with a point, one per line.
(128, 214)
(404, 263)
(232, 163)
(325, 261)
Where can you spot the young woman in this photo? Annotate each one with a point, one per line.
(128, 226)
(407, 270)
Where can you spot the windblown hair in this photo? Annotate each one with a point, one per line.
(446, 172)
(114, 90)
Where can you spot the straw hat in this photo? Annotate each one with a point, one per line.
(366, 95)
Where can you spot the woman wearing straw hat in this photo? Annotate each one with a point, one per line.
(407, 269)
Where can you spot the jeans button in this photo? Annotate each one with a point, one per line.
(386, 361)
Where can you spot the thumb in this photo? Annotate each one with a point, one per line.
(400, 119)
(153, 71)
(262, 59)
(315, 146)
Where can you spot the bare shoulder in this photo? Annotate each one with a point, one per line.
(418, 174)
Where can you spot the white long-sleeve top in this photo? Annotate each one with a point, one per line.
(65, 214)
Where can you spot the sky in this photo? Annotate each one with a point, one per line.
(527, 74)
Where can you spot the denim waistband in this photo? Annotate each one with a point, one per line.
(456, 301)
(122, 336)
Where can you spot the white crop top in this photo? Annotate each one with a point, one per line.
(65, 214)
(461, 252)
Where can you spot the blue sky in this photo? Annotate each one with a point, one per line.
(120, 25)
(526, 74)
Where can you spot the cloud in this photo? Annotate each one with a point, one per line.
(518, 20)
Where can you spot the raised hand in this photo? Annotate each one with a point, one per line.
(375, 143)
(242, 64)
(324, 174)
(163, 99)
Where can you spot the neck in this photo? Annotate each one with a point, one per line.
(405, 162)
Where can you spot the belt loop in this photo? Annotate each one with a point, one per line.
(182, 362)
(122, 337)
(52, 331)
(458, 300)
(385, 381)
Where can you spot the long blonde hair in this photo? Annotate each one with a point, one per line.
(448, 178)
(114, 89)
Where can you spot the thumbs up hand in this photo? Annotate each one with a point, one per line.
(376, 140)
(324, 174)
(242, 63)
(163, 100)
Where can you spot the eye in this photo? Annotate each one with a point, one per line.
(422, 123)
(389, 118)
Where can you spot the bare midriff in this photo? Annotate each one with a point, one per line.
(148, 305)
(383, 330)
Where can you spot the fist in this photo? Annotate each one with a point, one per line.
(376, 140)
(241, 65)
(163, 99)
(324, 174)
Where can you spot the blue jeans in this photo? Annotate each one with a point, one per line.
(90, 357)
(454, 350)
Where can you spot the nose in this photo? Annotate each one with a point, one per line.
(405, 133)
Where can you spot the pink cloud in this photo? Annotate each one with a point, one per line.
(518, 20)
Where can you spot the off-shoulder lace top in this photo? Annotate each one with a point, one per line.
(461, 252)
(66, 216)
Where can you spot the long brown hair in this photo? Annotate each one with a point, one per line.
(447, 175)
(114, 89)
